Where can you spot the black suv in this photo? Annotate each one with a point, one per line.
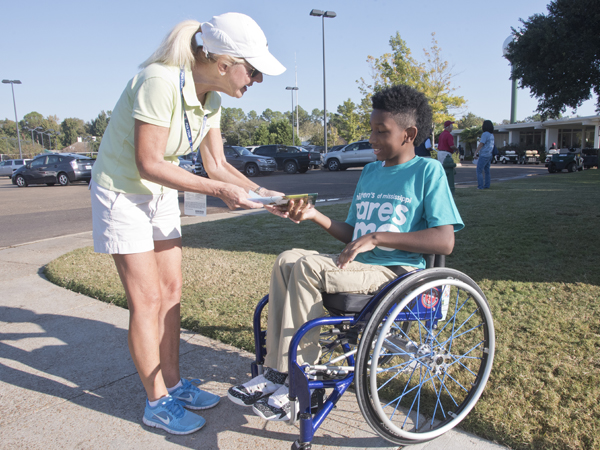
(61, 168)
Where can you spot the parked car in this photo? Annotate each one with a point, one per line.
(186, 163)
(289, 159)
(54, 168)
(315, 156)
(243, 160)
(530, 157)
(590, 157)
(356, 154)
(10, 165)
(568, 158)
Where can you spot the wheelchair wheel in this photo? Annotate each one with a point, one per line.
(414, 384)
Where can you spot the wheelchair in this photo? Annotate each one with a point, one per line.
(419, 353)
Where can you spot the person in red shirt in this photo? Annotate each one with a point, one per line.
(446, 142)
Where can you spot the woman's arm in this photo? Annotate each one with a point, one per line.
(215, 164)
(150, 144)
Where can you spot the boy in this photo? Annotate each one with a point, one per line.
(402, 208)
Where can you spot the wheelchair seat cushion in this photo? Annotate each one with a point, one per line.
(345, 303)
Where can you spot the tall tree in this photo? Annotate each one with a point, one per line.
(437, 85)
(432, 77)
(71, 128)
(97, 126)
(469, 120)
(347, 121)
(557, 56)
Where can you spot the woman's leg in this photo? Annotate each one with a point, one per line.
(486, 184)
(480, 166)
(152, 282)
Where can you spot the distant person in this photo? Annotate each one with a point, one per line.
(485, 150)
(461, 152)
(446, 142)
(424, 150)
(170, 108)
(410, 212)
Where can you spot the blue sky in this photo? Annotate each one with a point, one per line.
(74, 58)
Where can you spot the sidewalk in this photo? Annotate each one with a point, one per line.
(67, 380)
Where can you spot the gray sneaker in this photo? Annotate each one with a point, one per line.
(258, 387)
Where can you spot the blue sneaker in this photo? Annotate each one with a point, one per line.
(193, 398)
(171, 416)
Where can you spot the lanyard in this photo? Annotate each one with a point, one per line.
(186, 122)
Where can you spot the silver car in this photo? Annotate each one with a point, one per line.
(9, 166)
(356, 154)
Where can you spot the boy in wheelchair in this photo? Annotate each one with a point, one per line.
(401, 209)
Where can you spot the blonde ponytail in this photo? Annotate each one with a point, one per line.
(178, 48)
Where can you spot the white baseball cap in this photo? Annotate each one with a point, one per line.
(237, 35)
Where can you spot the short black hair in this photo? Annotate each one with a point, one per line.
(409, 108)
(488, 126)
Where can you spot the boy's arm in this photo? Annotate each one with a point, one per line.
(437, 240)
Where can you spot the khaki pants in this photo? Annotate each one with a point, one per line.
(297, 281)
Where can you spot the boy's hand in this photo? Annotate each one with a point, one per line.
(362, 244)
(300, 209)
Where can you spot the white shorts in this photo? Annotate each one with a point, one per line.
(130, 223)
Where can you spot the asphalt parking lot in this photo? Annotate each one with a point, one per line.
(40, 212)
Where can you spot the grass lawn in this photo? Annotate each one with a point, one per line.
(532, 245)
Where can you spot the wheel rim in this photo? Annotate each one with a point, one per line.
(62, 179)
(291, 167)
(251, 170)
(20, 181)
(333, 165)
(447, 367)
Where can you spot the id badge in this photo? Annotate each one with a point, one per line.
(194, 204)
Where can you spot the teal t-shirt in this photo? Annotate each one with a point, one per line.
(408, 197)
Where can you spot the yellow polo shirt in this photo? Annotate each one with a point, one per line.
(152, 96)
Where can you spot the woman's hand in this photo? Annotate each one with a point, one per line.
(361, 245)
(236, 197)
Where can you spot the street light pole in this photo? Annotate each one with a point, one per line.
(12, 83)
(323, 14)
(292, 89)
(513, 94)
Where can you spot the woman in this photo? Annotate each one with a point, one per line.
(485, 149)
(170, 108)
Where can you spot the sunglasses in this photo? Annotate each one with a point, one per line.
(252, 72)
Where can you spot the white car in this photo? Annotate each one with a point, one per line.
(9, 166)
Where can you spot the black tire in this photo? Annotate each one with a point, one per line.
(333, 165)
(552, 168)
(63, 179)
(20, 181)
(290, 167)
(303, 170)
(504, 161)
(427, 379)
(571, 167)
(251, 170)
